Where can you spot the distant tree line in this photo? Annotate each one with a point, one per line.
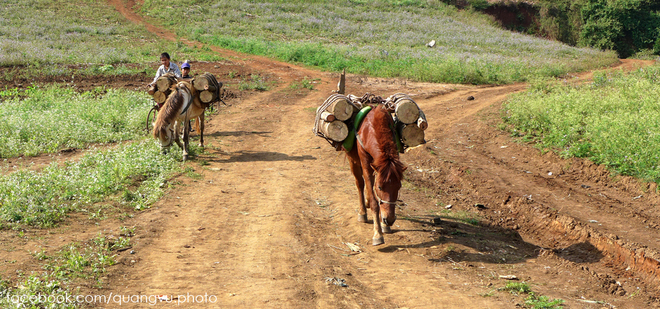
(626, 26)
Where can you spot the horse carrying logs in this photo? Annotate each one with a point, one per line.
(373, 131)
(336, 117)
(179, 101)
(207, 86)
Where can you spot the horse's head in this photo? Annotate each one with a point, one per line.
(386, 189)
(165, 134)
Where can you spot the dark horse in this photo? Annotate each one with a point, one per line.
(376, 166)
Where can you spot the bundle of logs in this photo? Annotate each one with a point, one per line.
(207, 86)
(335, 117)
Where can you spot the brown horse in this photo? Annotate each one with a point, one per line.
(181, 105)
(376, 166)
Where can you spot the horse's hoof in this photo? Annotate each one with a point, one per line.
(386, 229)
(362, 218)
(378, 241)
(185, 158)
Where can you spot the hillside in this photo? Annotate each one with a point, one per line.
(377, 38)
(264, 215)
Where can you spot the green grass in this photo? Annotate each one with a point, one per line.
(44, 120)
(517, 288)
(614, 121)
(463, 216)
(305, 83)
(255, 82)
(44, 198)
(72, 265)
(532, 301)
(376, 37)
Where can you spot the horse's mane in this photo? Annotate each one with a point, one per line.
(387, 164)
(169, 111)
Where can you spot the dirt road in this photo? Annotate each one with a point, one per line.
(264, 218)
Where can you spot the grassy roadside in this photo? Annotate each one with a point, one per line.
(132, 175)
(376, 37)
(46, 119)
(67, 275)
(614, 121)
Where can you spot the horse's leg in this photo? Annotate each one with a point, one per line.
(378, 238)
(356, 169)
(177, 130)
(186, 137)
(200, 128)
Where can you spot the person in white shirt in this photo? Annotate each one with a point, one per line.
(166, 67)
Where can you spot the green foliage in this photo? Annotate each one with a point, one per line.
(656, 46)
(626, 26)
(304, 83)
(34, 292)
(517, 288)
(43, 198)
(560, 20)
(532, 301)
(464, 216)
(614, 121)
(256, 82)
(542, 302)
(78, 260)
(46, 120)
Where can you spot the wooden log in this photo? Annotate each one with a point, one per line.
(328, 117)
(421, 122)
(165, 82)
(341, 86)
(335, 130)
(207, 96)
(151, 90)
(341, 109)
(204, 81)
(160, 97)
(411, 135)
(406, 110)
(211, 88)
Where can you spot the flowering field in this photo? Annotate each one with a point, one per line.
(45, 120)
(613, 121)
(42, 33)
(43, 198)
(382, 38)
